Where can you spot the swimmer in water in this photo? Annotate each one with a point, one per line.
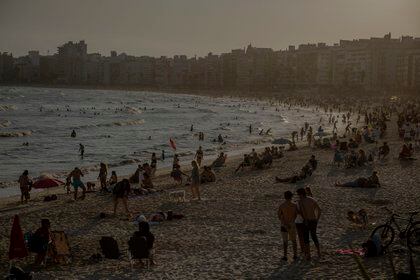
(73, 133)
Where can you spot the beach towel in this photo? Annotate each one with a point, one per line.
(359, 252)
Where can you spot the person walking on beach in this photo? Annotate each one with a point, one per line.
(25, 186)
(310, 212)
(103, 173)
(199, 155)
(77, 183)
(287, 214)
(81, 150)
(195, 180)
(120, 193)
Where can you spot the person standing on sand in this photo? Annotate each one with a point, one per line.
(77, 182)
(310, 212)
(195, 180)
(199, 155)
(25, 186)
(287, 214)
(120, 192)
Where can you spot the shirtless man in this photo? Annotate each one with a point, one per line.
(287, 214)
(77, 182)
(310, 212)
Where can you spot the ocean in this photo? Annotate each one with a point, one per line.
(123, 128)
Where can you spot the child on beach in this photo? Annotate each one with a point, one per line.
(103, 172)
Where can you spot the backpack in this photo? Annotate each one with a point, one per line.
(109, 247)
(137, 246)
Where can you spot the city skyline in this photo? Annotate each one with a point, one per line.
(168, 28)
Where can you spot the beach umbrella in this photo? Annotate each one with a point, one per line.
(45, 183)
(281, 141)
(17, 249)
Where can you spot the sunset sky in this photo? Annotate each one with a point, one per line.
(196, 27)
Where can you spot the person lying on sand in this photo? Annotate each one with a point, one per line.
(305, 172)
(362, 182)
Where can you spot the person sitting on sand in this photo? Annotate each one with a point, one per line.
(292, 147)
(137, 176)
(25, 185)
(383, 151)
(147, 181)
(246, 162)
(77, 183)
(405, 153)
(362, 182)
(208, 175)
(144, 232)
(287, 214)
(120, 192)
(359, 218)
(313, 163)
(41, 240)
(351, 159)
(361, 158)
(267, 157)
(177, 174)
(220, 161)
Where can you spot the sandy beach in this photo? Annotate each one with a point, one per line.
(234, 232)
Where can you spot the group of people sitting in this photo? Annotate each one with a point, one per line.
(304, 173)
(260, 161)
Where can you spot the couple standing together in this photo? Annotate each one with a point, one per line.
(299, 219)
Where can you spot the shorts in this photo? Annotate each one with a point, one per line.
(77, 183)
(288, 232)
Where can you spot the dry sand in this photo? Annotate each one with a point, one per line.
(234, 232)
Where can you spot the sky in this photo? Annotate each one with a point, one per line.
(197, 27)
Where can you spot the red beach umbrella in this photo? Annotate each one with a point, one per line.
(46, 183)
(17, 249)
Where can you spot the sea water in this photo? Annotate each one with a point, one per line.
(123, 128)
